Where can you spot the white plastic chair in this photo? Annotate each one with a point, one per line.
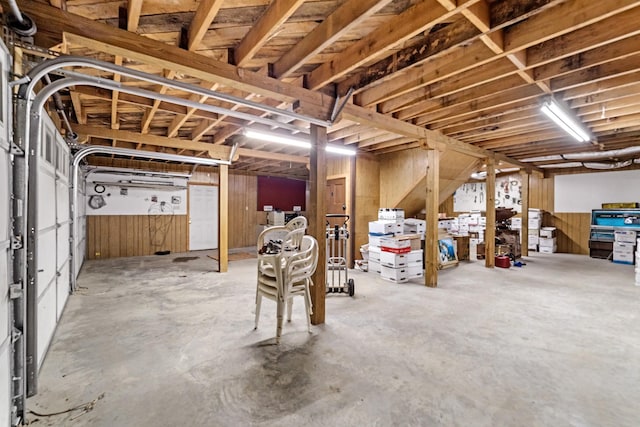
(293, 271)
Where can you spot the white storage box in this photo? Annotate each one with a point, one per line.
(548, 249)
(393, 243)
(414, 257)
(546, 242)
(385, 227)
(533, 232)
(374, 266)
(623, 257)
(533, 240)
(390, 214)
(623, 248)
(412, 225)
(396, 275)
(533, 247)
(627, 236)
(535, 223)
(415, 271)
(375, 239)
(548, 232)
(374, 253)
(389, 259)
(535, 214)
(516, 223)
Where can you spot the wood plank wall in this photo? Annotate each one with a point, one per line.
(113, 236)
(243, 217)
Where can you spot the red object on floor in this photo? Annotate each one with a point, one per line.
(503, 261)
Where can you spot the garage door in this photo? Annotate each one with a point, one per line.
(5, 273)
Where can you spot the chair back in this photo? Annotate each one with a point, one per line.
(293, 239)
(302, 265)
(297, 222)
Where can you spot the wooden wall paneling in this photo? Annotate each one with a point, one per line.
(243, 217)
(367, 196)
(340, 167)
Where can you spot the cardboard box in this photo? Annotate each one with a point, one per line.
(414, 257)
(374, 253)
(535, 214)
(516, 223)
(627, 236)
(623, 257)
(533, 247)
(374, 266)
(385, 227)
(548, 232)
(535, 223)
(548, 249)
(375, 239)
(392, 214)
(533, 232)
(623, 247)
(397, 275)
(547, 242)
(395, 243)
(414, 271)
(412, 225)
(533, 240)
(392, 260)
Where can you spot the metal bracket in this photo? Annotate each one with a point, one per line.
(16, 150)
(15, 291)
(16, 242)
(15, 335)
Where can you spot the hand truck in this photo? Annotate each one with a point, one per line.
(337, 272)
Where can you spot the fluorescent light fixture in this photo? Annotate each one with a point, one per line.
(565, 119)
(287, 140)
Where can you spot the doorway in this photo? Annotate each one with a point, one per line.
(203, 217)
(336, 199)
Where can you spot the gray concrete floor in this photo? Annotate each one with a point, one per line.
(554, 343)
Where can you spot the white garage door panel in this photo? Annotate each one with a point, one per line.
(5, 384)
(46, 320)
(62, 293)
(4, 196)
(46, 259)
(62, 201)
(4, 297)
(63, 244)
(46, 196)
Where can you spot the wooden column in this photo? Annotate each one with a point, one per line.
(490, 232)
(524, 194)
(317, 209)
(432, 203)
(223, 226)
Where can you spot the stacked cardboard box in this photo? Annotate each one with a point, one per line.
(624, 246)
(415, 226)
(535, 223)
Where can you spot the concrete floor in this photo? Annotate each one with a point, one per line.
(556, 342)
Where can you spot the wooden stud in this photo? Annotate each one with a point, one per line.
(223, 218)
(490, 232)
(317, 211)
(432, 204)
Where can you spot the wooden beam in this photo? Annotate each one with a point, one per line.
(317, 208)
(399, 29)
(490, 231)
(257, 154)
(275, 15)
(216, 151)
(223, 219)
(345, 17)
(524, 175)
(134, 7)
(206, 12)
(431, 206)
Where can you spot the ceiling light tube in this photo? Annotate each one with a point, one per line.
(564, 119)
(281, 139)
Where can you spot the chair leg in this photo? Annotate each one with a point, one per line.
(307, 306)
(289, 309)
(258, 304)
(279, 310)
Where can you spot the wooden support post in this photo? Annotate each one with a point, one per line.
(317, 209)
(432, 203)
(223, 226)
(490, 232)
(352, 212)
(524, 194)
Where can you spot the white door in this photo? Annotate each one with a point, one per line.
(203, 217)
